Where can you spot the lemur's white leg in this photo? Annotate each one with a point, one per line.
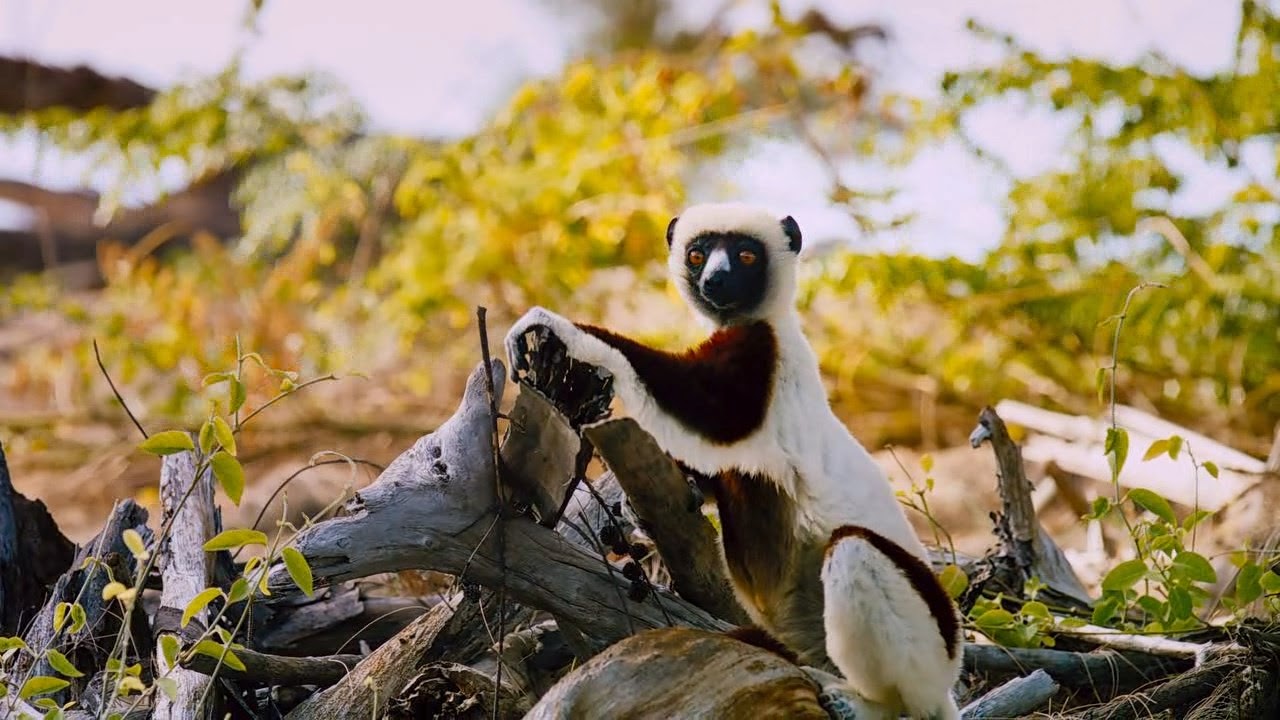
(889, 632)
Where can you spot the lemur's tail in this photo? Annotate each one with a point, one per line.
(891, 628)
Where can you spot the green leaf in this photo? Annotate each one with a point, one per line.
(1117, 450)
(78, 618)
(167, 443)
(1195, 519)
(235, 538)
(1175, 446)
(1180, 605)
(59, 662)
(953, 580)
(226, 438)
(133, 541)
(300, 571)
(1101, 506)
(199, 602)
(1248, 583)
(1158, 448)
(1152, 606)
(229, 474)
(1124, 575)
(168, 686)
(215, 378)
(169, 649)
(236, 394)
(1036, 609)
(926, 463)
(206, 438)
(1105, 610)
(239, 590)
(60, 615)
(1150, 501)
(1270, 582)
(41, 685)
(112, 589)
(1211, 468)
(214, 650)
(994, 620)
(9, 643)
(1195, 567)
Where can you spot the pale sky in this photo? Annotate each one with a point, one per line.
(439, 68)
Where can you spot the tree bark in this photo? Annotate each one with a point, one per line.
(83, 584)
(26, 85)
(440, 497)
(33, 554)
(187, 502)
(1024, 541)
(671, 514)
(1019, 696)
(682, 672)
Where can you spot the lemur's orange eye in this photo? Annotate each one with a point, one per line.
(697, 257)
(746, 257)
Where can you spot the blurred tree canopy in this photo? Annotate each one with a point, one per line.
(356, 250)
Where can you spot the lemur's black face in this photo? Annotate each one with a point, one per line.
(728, 274)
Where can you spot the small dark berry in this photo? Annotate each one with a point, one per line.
(610, 536)
(471, 591)
(632, 571)
(638, 591)
(637, 552)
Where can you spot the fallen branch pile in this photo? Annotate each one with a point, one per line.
(557, 579)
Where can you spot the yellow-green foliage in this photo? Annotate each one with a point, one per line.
(363, 250)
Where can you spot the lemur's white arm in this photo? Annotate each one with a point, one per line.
(579, 345)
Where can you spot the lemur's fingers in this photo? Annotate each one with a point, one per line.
(537, 322)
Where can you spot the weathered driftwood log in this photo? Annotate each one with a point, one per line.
(1075, 444)
(682, 672)
(83, 583)
(452, 690)
(540, 455)
(1178, 694)
(188, 507)
(334, 621)
(448, 633)
(1019, 696)
(1103, 672)
(440, 499)
(670, 513)
(1024, 541)
(33, 554)
(264, 669)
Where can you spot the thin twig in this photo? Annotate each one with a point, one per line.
(283, 395)
(608, 512)
(98, 356)
(604, 558)
(343, 460)
(497, 477)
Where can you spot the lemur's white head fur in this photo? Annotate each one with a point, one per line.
(734, 262)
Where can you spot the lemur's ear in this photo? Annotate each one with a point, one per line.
(671, 230)
(792, 230)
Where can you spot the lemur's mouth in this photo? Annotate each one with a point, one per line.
(721, 303)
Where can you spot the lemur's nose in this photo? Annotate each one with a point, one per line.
(715, 280)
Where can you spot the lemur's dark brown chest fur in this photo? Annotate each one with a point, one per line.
(757, 522)
(774, 571)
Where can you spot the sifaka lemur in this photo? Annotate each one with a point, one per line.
(818, 549)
